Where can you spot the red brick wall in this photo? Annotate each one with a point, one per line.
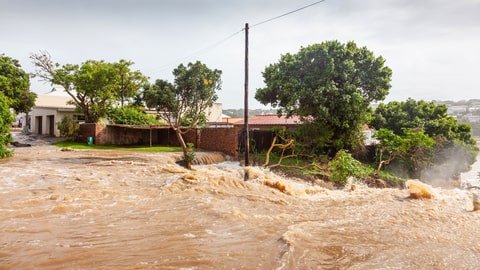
(85, 131)
(214, 139)
(220, 139)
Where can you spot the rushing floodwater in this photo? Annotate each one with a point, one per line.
(131, 210)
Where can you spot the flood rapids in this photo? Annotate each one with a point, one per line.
(92, 209)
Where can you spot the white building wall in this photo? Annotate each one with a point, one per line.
(42, 120)
(214, 113)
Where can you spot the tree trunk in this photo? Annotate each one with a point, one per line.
(188, 162)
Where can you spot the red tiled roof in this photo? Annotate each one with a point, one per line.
(270, 120)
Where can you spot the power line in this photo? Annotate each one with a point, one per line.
(288, 13)
(201, 51)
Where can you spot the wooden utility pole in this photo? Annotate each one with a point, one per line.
(245, 115)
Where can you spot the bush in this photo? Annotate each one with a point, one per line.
(344, 166)
(68, 127)
(131, 116)
(6, 119)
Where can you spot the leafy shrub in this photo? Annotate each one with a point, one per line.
(344, 166)
(68, 127)
(190, 152)
(131, 116)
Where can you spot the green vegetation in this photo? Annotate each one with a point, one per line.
(5, 122)
(414, 150)
(343, 166)
(132, 116)
(419, 138)
(323, 168)
(77, 145)
(94, 86)
(14, 93)
(183, 104)
(330, 85)
(15, 85)
(68, 127)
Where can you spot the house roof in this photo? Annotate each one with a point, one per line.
(270, 120)
(50, 101)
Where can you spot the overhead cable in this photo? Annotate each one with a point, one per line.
(288, 13)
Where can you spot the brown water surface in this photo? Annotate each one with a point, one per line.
(135, 210)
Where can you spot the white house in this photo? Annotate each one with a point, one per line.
(48, 112)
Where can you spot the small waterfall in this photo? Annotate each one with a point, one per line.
(206, 158)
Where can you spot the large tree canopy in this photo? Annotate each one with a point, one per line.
(94, 85)
(15, 85)
(331, 84)
(183, 104)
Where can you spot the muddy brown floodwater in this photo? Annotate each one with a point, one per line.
(90, 209)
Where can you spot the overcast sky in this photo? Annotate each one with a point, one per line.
(432, 46)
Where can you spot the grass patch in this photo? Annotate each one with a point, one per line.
(78, 145)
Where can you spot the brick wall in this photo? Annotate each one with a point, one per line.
(220, 139)
(212, 139)
(86, 130)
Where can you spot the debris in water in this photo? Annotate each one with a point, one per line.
(277, 185)
(19, 144)
(419, 190)
(251, 173)
(476, 202)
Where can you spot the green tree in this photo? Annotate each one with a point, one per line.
(414, 150)
(15, 85)
(329, 84)
(183, 103)
(451, 138)
(5, 122)
(94, 86)
(130, 82)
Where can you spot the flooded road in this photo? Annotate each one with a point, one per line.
(90, 209)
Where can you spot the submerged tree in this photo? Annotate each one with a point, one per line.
(183, 104)
(331, 86)
(94, 86)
